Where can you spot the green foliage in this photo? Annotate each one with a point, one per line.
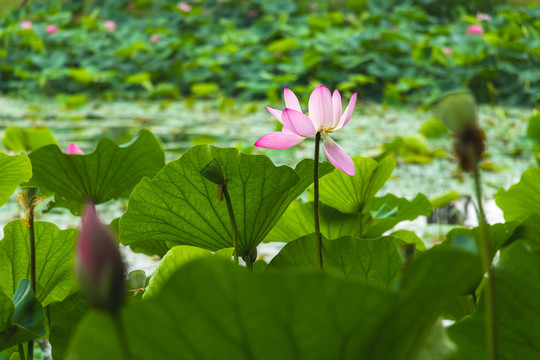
(518, 269)
(15, 170)
(18, 139)
(396, 51)
(376, 261)
(110, 172)
(181, 207)
(216, 300)
(54, 264)
(521, 199)
(349, 205)
(21, 319)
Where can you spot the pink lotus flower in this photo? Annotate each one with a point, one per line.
(447, 50)
(154, 39)
(98, 263)
(184, 6)
(74, 149)
(110, 25)
(325, 117)
(26, 25)
(51, 29)
(475, 30)
(483, 17)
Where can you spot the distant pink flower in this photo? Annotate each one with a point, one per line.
(475, 30)
(131, 6)
(447, 50)
(51, 29)
(325, 117)
(110, 25)
(278, 54)
(483, 17)
(26, 25)
(183, 6)
(74, 149)
(312, 7)
(155, 39)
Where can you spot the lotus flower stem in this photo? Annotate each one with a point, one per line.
(316, 201)
(233, 222)
(21, 352)
(486, 255)
(28, 199)
(121, 334)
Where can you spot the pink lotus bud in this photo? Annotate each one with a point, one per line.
(74, 149)
(98, 263)
(131, 6)
(154, 39)
(483, 17)
(447, 50)
(475, 30)
(184, 6)
(26, 25)
(110, 25)
(312, 7)
(51, 29)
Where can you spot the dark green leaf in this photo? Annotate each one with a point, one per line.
(181, 207)
(517, 289)
(110, 172)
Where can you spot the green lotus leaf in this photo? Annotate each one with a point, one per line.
(350, 194)
(521, 199)
(25, 317)
(110, 172)
(211, 309)
(376, 261)
(181, 207)
(517, 290)
(18, 139)
(15, 170)
(55, 249)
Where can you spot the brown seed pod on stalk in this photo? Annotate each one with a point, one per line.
(469, 146)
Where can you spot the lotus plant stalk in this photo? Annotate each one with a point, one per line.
(458, 111)
(316, 202)
(325, 116)
(212, 171)
(28, 199)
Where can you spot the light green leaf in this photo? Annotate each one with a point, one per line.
(171, 262)
(350, 194)
(517, 290)
(15, 170)
(110, 172)
(298, 221)
(18, 139)
(404, 210)
(54, 259)
(521, 199)
(181, 207)
(376, 261)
